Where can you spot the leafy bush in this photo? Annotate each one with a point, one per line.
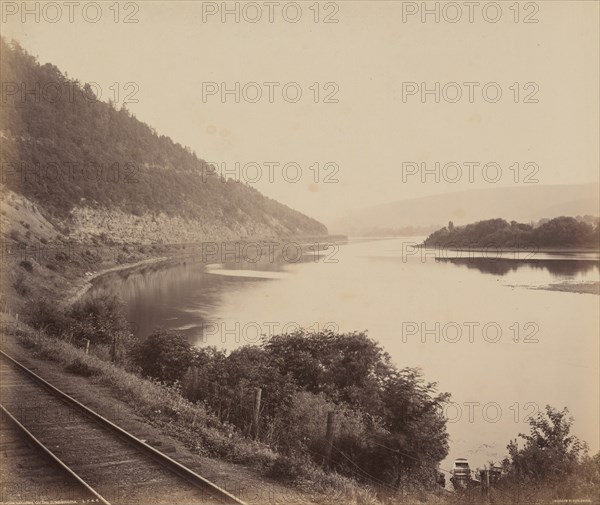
(305, 376)
(27, 265)
(288, 468)
(21, 286)
(100, 318)
(80, 367)
(164, 355)
(552, 463)
(61, 256)
(44, 315)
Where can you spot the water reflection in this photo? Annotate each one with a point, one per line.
(557, 268)
(184, 295)
(178, 296)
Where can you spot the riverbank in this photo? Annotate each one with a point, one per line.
(64, 271)
(87, 282)
(217, 252)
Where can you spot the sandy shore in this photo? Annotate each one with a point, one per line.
(588, 288)
(592, 288)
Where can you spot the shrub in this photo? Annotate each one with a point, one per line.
(27, 265)
(44, 315)
(552, 461)
(61, 256)
(164, 355)
(288, 468)
(100, 319)
(21, 286)
(80, 367)
(306, 417)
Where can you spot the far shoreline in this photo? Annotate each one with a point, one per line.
(86, 281)
(517, 248)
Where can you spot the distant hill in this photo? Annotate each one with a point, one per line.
(95, 171)
(523, 204)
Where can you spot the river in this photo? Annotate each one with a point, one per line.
(483, 328)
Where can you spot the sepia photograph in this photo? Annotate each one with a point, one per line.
(300, 252)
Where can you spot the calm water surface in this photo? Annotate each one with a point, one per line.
(479, 326)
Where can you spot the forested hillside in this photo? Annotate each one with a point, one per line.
(98, 170)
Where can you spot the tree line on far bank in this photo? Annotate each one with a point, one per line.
(561, 232)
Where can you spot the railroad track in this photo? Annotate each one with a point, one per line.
(107, 464)
(31, 478)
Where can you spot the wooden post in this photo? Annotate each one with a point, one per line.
(113, 349)
(329, 437)
(257, 412)
(196, 384)
(87, 346)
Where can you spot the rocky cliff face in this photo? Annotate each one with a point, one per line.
(119, 226)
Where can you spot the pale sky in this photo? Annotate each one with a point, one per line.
(368, 53)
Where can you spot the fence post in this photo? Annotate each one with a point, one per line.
(257, 412)
(329, 437)
(87, 346)
(196, 384)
